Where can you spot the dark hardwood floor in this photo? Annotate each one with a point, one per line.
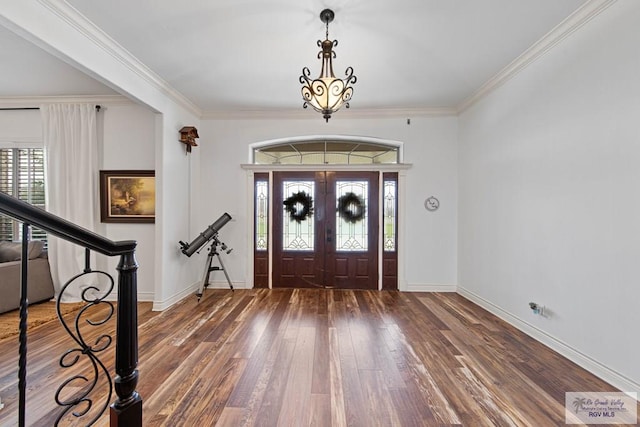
(319, 358)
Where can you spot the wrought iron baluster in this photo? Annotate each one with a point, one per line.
(127, 409)
(80, 403)
(24, 303)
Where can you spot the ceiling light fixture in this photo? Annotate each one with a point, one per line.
(327, 94)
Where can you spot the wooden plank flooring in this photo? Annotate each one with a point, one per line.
(313, 357)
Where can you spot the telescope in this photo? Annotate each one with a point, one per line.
(209, 233)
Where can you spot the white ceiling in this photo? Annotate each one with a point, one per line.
(28, 71)
(229, 55)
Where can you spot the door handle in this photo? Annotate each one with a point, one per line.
(329, 236)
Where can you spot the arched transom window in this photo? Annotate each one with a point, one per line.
(326, 151)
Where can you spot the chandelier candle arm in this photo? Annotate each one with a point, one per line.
(327, 94)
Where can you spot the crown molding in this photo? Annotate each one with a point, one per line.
(104, 42)
(35, 101)
(87, 29)
(573, 22)
(308, 113)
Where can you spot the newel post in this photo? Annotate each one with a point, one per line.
(126, 411)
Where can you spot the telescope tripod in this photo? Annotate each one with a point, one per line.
(213, 251)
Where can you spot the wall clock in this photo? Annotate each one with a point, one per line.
(432, 204)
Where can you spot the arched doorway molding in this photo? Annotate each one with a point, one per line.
(251, 168)
(392, 144)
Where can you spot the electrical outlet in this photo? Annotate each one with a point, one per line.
(537, 308)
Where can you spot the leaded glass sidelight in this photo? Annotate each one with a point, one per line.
(390, 205)
(262, 214)
(298, 235)
(352, 235)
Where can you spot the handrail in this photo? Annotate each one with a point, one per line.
(24, 212)
(127, 409)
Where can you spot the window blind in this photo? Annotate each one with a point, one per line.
(22, 176)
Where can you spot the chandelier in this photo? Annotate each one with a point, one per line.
(327, 94)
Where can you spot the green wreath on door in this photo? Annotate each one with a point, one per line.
(299, 206)
(351, 207)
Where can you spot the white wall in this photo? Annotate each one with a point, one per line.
(59, 30)
(20, 126)
(127, 137)
(430, 145)
(549, 202)
(127, 141)
(175, 273)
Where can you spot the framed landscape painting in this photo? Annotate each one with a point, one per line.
(127, 196)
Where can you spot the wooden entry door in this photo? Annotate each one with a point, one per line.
(315, 244)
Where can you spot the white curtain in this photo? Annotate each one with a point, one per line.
(71, 169)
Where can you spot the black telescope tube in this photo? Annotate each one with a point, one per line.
(206, 235)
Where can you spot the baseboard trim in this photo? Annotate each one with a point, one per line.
(191, 290)
(430, 287)
(145, 296)
(142, 296)
(163, 305)
(596, 368)
(222, 284)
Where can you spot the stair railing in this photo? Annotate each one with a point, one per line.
(126, 410)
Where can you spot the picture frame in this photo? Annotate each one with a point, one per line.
(127, 196)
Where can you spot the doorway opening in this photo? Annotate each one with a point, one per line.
(326, 213)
